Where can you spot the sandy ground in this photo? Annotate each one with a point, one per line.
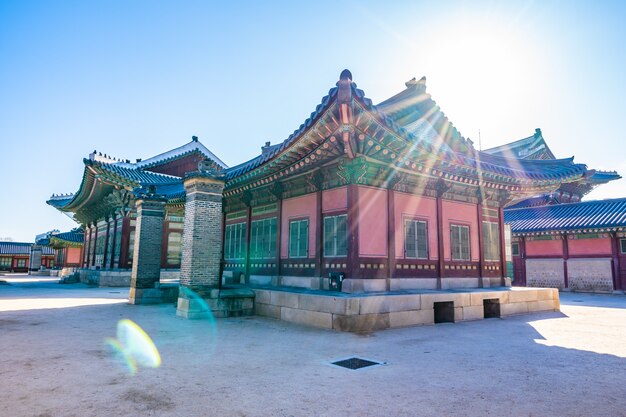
(54, 362)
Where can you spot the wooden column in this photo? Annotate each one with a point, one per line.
(112, 260)
(319, 246)
(248, 235)
(565, 258)
(522, 254)
(615, 263)
(125, 243)
(502, 243)
(105, 255)
(279, 225)
(391, 234)
(481, 242)
(440, 248)
(353, 230)
(88, 257)
(222, 251)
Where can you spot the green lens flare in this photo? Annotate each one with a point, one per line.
(134, 347)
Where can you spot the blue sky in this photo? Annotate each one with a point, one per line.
(136, 78)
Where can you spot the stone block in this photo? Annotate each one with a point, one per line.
(519, 295)
(298, 282)
(473, 312)
(361, 323)
(546, 294)
(447, 283)
(261, 279)
(373, 285)
(267, 310)
(352, 286)
(476, 298)
(459, 299)
(306, 317)
(396, 284)
(262, 296)
(411, 318)
(323, 303)
(543, 305)
(389, 303)
(284, 299)
(510, 309)
(458, 314)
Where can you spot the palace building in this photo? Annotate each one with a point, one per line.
(24, 257)
(388, 196)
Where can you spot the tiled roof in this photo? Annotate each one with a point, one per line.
(532, 147)
(188, 148)
(393, 113)
(74, 236)
(573, 216)
(274, 150)
(15, 248)
(133, 174)
(21, 248)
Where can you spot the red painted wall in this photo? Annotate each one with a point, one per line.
(589, 247)
(335, 199)
(73, 256)
(297, 208)
(408, 206)
(544, 247)
(464, 214)
(372, 222)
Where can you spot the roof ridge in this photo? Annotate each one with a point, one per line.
(575, 203)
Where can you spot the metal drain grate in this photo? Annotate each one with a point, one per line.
(355, 363)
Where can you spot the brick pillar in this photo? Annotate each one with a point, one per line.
(202, 243)
(35, 258)
(146, 271)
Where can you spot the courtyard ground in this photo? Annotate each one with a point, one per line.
(54, 362)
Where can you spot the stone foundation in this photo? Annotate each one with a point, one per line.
(117, 277)
(162, 294)
(356, 285)
(228, 302)
(369, 312)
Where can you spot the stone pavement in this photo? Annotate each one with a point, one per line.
(54, 362)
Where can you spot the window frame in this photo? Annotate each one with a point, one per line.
(235, 241)
(263, 235)
(335, 243)
(416, 221)
(515, 245)
(622, 246)
(299, 221)
(469, 242)
(487, 242)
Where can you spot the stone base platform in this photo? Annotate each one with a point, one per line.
(161, 294)
(366, 312)
(227, 302)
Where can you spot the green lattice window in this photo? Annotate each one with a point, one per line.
(235, 241)
(335, 235)
(263, 238)
(299, 238)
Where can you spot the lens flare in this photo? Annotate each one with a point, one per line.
(202, 312)
(134, 347)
